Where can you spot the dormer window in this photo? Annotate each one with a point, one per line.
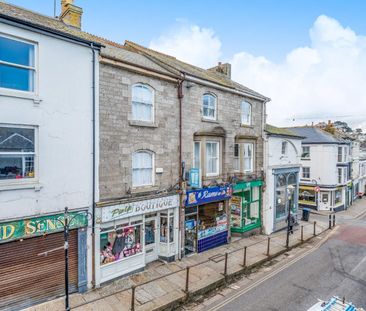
(142, 103)
(209, 107)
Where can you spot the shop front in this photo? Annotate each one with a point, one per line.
(245, 206)
(133, 234)
(206, 218)
(308, 197)
(28, 275)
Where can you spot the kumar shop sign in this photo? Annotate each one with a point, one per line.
(26, 228)
(110, 213)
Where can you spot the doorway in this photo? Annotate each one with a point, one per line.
(151, 238)
(190, 244)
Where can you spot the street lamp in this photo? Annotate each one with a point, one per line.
(68, 219)
(290, 189)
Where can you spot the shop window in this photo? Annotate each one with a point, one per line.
(17, 65)
(305, 152)
(171, 228)
(307, 196)
(150, 231)
(236, 157)
(248, 157)
(197, 154)
(246, 113)
(142, 103)
(338, 197)
(142, 168)
(306, 172)
(17, 153)
(236, 211)
(212, 219)
(119, 243)
(209, 106)
(166, 228)
(212, 158)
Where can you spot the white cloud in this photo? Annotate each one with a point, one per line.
(319, 81)
(190, 43)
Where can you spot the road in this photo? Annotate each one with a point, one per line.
(337, 267)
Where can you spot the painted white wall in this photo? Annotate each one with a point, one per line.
(61, 109)
(64, 121)
(275, 160)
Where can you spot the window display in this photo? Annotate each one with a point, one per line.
(212, 219)
(120, 243)
(235, 207)
(338, 197)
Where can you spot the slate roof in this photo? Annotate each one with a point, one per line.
(178, 66)
(278, 131)
(315, 135)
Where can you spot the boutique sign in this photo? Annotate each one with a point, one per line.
(207, 195)
(114, 212)
(39, 225)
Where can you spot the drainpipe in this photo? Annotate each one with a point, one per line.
(182, 186)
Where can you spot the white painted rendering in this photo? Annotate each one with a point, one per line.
(61, 110)
(275, 160)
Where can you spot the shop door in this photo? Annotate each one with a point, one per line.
(190, 244)
(28, 278)
(151, 249)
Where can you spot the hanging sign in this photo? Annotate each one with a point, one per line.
(39, 225)
(206, 195)
(195, 178)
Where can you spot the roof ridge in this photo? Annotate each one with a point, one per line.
(128, 42)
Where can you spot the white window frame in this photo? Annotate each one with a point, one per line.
(215, 107)
(340, 175)
(22, 181)
(252, 158)
(302, 152)
(195, 155)
(152, 104)
(152, 169)
(307, 167)
(340, 155)
(249, 117)
(236, 168)
(217, 159)
(10, 91)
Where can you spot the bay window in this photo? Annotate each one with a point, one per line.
(212, 158)
(17, 65)
(142, 103)
(142, 168)
(17, 152)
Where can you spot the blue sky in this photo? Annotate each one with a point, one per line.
(308, 56)
(262, 27)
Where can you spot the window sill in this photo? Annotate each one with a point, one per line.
(209, 120)
(142, 123)
(20, 94)
(249, 126)
(20, 186)
(305, 159)
(144, 189)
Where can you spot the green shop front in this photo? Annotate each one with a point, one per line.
(245, 206)
(32, 259)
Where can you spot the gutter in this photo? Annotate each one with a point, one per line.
(12, 21)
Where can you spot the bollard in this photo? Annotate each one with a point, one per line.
(225, 268)
(133, 297)
(187, 280)
(268, 245)
(314, 228)
(333, 219)
(245, 257)
(302, 234)
(330, 221)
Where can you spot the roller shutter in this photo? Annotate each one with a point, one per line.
(28, 278)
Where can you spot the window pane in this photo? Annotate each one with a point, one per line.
(209, 105)
(197, 161)
(16, 167)
(16, 78)
(171, 229)
(142, 169)
(142, 103)
(163, 229)
(246, 113)
(16, 139)
(16, 52)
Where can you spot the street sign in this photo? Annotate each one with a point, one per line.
(317, 189)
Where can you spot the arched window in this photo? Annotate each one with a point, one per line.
(142, 103)
(209, 106)
(142, 168)
(246, 113)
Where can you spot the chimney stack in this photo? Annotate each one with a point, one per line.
(71, 14)
(224, 69)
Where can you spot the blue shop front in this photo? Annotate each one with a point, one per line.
(206, 218)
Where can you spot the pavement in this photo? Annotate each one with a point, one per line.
(163, 284)
(337, 266)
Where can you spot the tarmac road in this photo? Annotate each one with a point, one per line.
(338, 267)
